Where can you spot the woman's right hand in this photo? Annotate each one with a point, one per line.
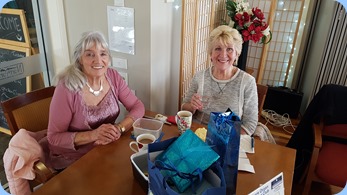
(106, 133)
(196, 103)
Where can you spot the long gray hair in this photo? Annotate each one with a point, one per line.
(73, 75)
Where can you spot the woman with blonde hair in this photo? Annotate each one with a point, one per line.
(223, 85)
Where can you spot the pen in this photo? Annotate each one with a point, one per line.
(252, 142)
(156, 119)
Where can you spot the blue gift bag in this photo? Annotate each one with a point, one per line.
(223, 134)
(209, 182)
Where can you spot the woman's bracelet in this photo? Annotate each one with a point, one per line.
(121, 128)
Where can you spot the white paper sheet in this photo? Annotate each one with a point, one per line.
(121, 30)
(244, 163)
(274, 186)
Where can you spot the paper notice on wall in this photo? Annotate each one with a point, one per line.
(121, 32)
(119, 3)
(274, 186)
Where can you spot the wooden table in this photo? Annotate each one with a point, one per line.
(268, 161)
(106, 170)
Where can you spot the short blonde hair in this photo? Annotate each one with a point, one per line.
(226, 35)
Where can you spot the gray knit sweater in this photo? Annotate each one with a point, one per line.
(239, 94)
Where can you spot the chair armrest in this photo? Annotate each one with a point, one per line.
(338, 131)
(42, 172)
(317, 131)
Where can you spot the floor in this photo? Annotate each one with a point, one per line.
(282, 136)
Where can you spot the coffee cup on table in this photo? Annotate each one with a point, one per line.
(142, 141)
(183, 120)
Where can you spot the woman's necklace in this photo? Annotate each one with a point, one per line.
(97, 92)
(221, 89)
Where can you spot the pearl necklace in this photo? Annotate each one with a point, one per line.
(95, 92)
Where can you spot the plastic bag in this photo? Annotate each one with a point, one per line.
(223, 135)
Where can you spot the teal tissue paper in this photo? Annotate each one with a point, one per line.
(185, 160)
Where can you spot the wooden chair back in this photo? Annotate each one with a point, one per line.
(262, 90)
(29, 111)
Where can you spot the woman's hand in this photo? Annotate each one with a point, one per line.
(196, 103)
(243, 132)
(105, 134)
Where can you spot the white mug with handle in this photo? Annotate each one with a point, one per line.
(142, 141)
(183, 120)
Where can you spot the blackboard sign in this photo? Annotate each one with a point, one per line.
(13, 28)
(14, 88)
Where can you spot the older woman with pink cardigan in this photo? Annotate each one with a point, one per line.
(86, 103)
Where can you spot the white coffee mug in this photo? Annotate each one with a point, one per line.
(142, 142)
(183, 120)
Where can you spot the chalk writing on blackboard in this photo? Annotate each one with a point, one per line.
(11, 71)
(10, 52)
(10, 90)
(14, 88)
(10, 27)
(13, 28)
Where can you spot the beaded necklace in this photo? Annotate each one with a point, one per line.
(95, 92)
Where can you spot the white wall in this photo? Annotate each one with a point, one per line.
(54, 32)
(172, 105)
(165, 56)
(153, 70)
(316, 51)
(161, 15)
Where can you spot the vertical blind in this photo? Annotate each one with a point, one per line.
(333, 66)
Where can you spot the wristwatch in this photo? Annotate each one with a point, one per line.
(121, 128)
